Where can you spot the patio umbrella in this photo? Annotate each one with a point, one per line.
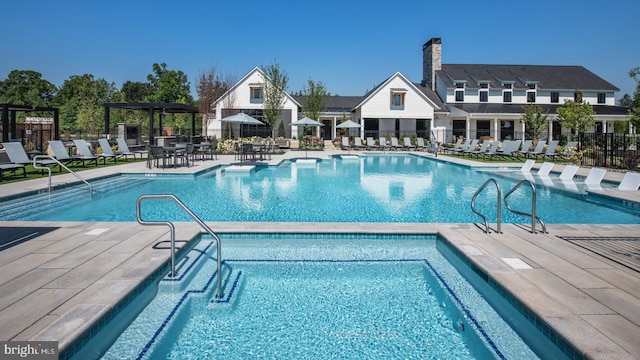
(241, 118)
(305, 121)
(349, 124)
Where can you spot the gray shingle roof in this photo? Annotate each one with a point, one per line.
(336, 103)
(546, 76)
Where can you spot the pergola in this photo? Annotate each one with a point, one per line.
(153, 108)
(9, 119)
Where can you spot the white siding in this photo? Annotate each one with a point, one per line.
(378, 105)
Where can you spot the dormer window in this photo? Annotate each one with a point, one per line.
(602, 98)
(397, 99)
(256, 94)
(531, 92)
(484, 92)
(507, 93)
(459, 92)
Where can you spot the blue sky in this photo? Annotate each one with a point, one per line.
(349, 45)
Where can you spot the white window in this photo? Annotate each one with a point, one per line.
(256, 94)
(397, 100)
(531, 93)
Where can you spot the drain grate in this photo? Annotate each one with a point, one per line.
(623, 250)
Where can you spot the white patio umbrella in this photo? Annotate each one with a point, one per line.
(305, 121)
(241, 118)
(349, 124)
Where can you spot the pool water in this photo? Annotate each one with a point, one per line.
(373, 188)
(305, 296)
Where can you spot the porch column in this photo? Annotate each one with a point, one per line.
(549, 130)
(496, 129)
(523, 128)
(468, 127)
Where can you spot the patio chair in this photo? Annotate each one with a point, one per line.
(345, 143)
(538, 149)
(18, 156)
(84, 153)
(125, 151)
(472, 147)
(482, 150)
(155, 154)
(61, 154)
(357, 143)
(11, 167)
(383, 143)
(408, 145)
(528, 165)
(107, 152)
(526, 145)
(551, 149)
(395, 145)
(630, 181)
(493, 150)
(371, 143)
(570, 149)
(511, 147)
(421, 145)
(462, 147)
(457, 145)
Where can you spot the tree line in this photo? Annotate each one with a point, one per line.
(81, 98)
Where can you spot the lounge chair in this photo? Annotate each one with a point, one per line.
(345, 143)
(457, 145)
(594, 178)
(568, 172)
(84, 153)
(383, 143)
(528, 165)
(462, 147)
(357, 143)
(18, 156)
(513, 146)
(570, 149)
(493, 150)
(630, 181)
(545, 169)
(11, 167)
(394, 144)
(526, 145)
(551, 149)
(371, 143)
(421, 145)
(107, 152)
(408, 145)
(61, 154)
(472, 147)
(537, 151)
(482, 150)
(124, 149)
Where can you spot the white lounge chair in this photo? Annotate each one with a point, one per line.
(528, 165)
(383, 143)
(357, 143)
(408, 145)
(394, 144)
(568, 172)
(630, 181)
(594, 178)
(371, 143)
(345, 143)
(545, 169)
(421, 145)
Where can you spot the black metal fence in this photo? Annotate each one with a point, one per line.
(615, 151)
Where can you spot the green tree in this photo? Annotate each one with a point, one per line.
(210, 87)
(81, 101)
(169, 86)
(273, 94)
(535, 121)
(577, 116)
(315, 99)
(633, 103)
(136, 91)
(26, 87)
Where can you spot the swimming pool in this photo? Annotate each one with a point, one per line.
(373, 188)
(323, 296)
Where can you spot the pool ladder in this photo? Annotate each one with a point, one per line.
(215, 237)
(533, 216)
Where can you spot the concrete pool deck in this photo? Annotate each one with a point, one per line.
(55, 286)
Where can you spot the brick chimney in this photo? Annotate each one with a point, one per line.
(431, 61)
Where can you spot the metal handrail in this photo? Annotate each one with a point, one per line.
(38, 167)
(173, 233)
(433, 146)
(533, 205)
(499, 217)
